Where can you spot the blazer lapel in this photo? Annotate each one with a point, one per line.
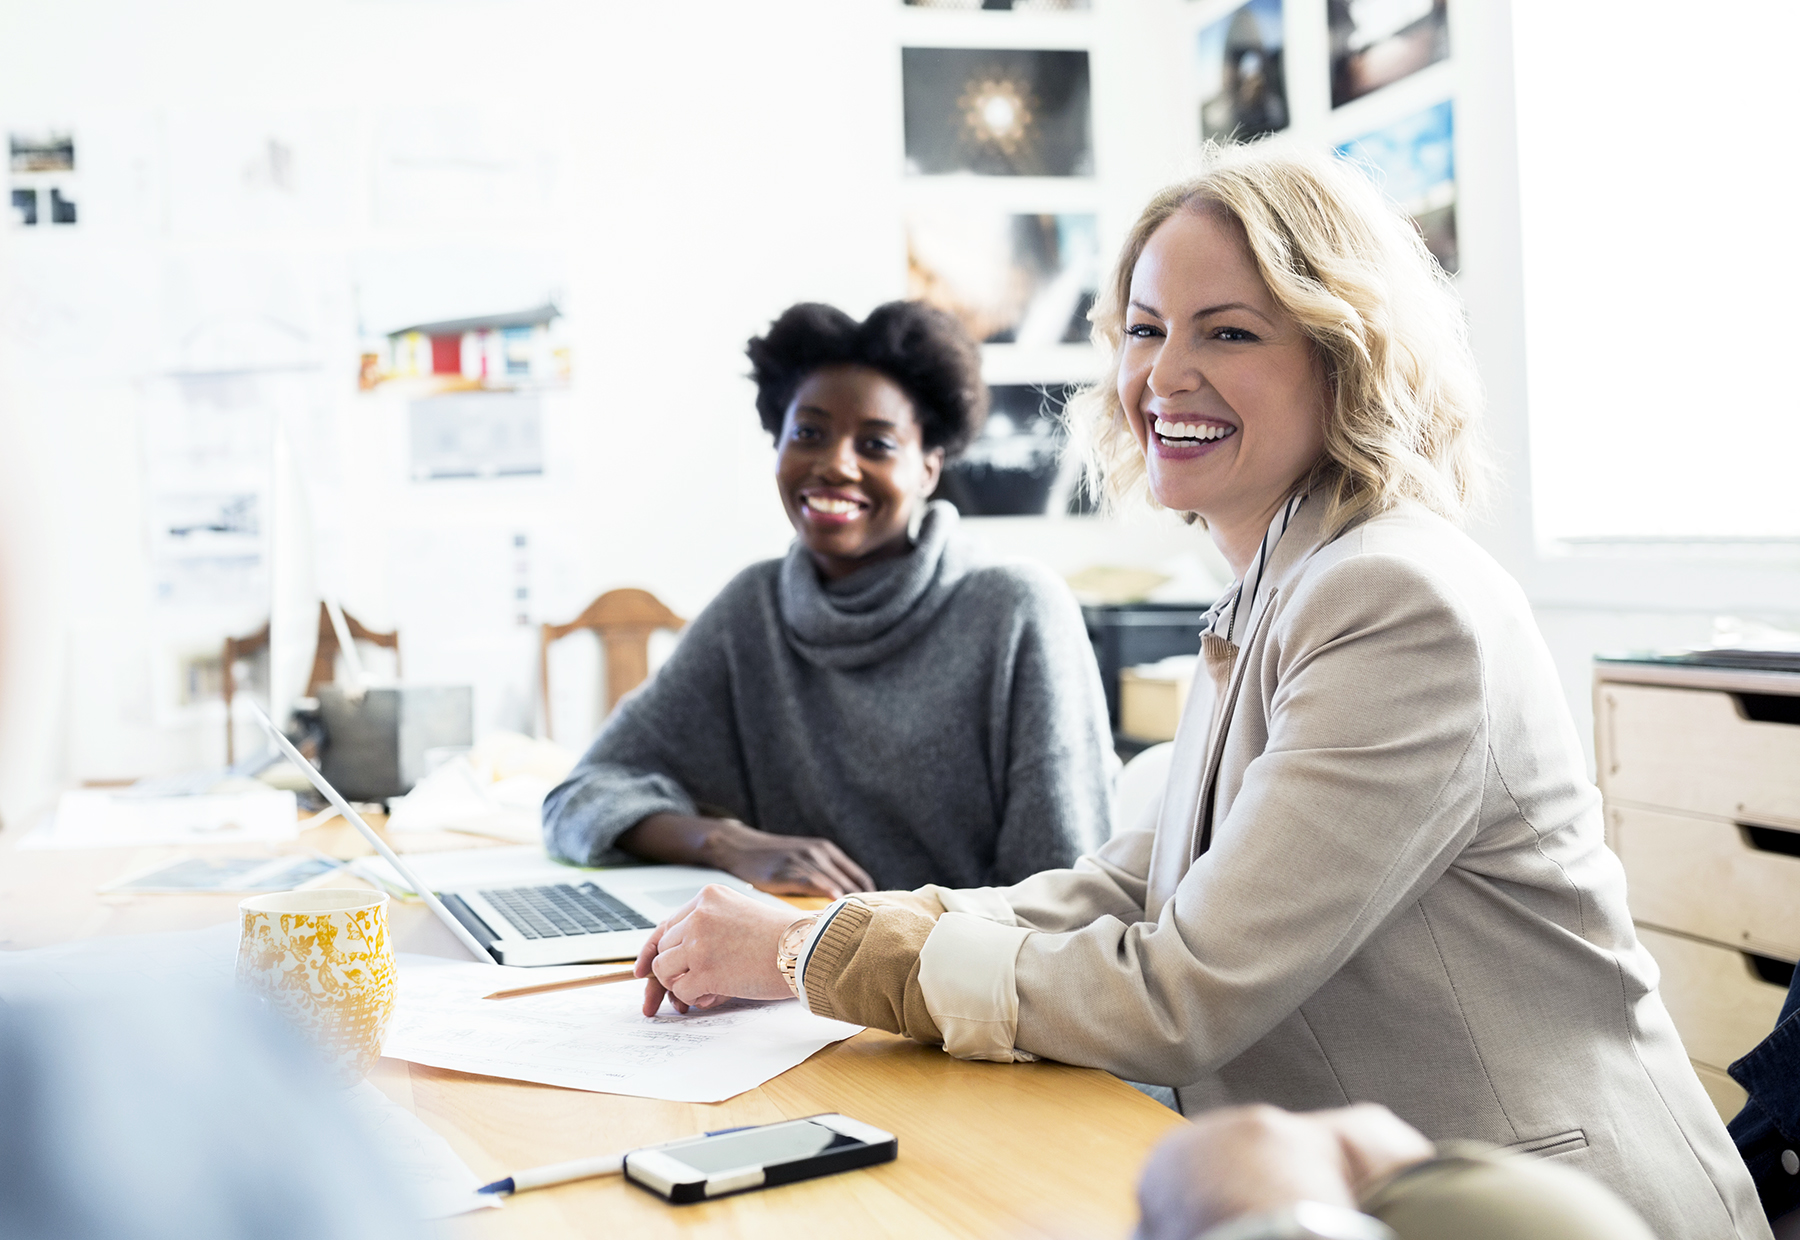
(1173, 847)
(1303, 537)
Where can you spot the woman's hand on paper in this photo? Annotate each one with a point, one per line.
(720, 945)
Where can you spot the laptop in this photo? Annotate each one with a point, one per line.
(525, 909)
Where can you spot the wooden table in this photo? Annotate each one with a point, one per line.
(986, 1150)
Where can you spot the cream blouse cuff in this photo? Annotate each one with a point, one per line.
(966, 972)
(984, 902)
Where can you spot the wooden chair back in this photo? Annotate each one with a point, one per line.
(623, 621)
(237, 648)
(324, 668)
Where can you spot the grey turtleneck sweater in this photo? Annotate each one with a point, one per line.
(938, 718)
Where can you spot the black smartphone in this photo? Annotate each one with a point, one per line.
(736, 1160)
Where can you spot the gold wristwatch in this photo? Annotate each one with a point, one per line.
(787, 955)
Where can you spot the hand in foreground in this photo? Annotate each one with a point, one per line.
(789, 865)
(1245, 1160)
(719, 945)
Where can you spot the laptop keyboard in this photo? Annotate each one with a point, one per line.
(564, 909)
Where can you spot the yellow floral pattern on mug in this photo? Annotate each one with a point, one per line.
(322, 960)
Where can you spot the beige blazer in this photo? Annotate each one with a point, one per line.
(1406, 898)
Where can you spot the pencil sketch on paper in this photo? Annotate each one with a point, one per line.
(595, 1038)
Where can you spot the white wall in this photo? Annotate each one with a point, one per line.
(708, 166)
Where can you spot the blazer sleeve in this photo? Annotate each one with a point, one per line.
(1059, 757)
(669, 747)
(1369, 785)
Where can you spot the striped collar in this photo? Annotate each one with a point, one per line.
(1221, 619)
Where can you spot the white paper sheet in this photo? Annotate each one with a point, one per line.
(440, 1182)
(95, 818)
(188, 959)
(595, 1038)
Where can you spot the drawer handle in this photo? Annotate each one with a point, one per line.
(1768, 707)
(1769, 969)
(1771, 839)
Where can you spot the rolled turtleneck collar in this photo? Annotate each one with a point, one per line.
(875, 611)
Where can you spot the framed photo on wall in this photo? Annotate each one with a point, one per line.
(1378, 42)
(996, 112)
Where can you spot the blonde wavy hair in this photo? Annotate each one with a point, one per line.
(1405, 401)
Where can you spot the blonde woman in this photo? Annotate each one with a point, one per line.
(1377, 871)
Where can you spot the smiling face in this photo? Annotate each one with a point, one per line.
(852, 466)
(1224, 392)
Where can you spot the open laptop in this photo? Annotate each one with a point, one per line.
(526, 909)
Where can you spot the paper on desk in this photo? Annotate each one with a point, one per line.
(441, 1183)
(180, 959)
(97, 818)
(595, 1038)
(496, 789)
(186, 960)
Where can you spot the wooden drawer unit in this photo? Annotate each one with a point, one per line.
(1720, 1003)
(1701, 772)
(1698, 750)
(1677, 868)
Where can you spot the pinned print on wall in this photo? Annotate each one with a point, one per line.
(41, 167)
(477, 435)
(1377, 42)
(461, 320)
(1414, 162)
(1010, 279)
(996, 112)
(1016, 466)
(1243, 91)
(1012, 6)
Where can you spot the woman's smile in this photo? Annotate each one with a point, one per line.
(830, 506)
(1178, 437)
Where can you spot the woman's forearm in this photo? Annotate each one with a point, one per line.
(678, 839)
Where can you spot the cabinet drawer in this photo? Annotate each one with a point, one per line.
(1720, 1006)
(1717, 880)
(1728, 1097)
(1696, 750)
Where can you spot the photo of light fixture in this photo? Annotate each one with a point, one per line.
(996, 112)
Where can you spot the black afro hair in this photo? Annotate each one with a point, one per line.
(922, 349)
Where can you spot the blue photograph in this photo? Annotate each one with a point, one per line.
(1414, 162)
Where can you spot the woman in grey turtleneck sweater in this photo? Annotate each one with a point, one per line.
(880, 709)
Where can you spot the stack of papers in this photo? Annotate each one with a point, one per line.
(98, 818)
(497, 789)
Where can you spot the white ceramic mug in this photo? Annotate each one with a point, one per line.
(322, 960)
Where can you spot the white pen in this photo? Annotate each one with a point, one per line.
(556, 1173)
(577, 1169)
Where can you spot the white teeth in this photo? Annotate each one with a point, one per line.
(1191, 430)
(831, 507)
